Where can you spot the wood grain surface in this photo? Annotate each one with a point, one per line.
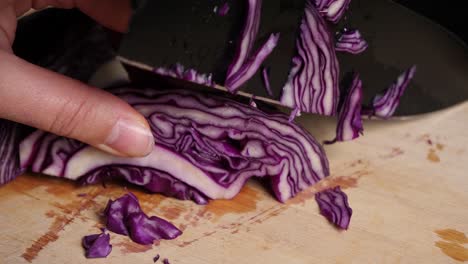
(407, 182)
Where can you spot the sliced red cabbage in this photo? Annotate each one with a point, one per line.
(10, 137)
(145, 230)
(351, 40)
(156, 258)
(333, 204)
(211, 144)
(312, 85)
(332, 10)
(124, 216)
(294, 113)
(247, 37)
(385, 104)
(154, 180)
(97, 245)
(251, 66)
(349, 124)
(117, 211)
(223, 9)
(178, 71)
(166, 261)
(266, 80)
(252, 102)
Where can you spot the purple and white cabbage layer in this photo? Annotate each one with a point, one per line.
(332, 10)
(251, 66)
(349, 124)
(333, 204)
(178, 71)
(245, 64)
(385, 104)
(206, 146)
(10, 136)
(266, 80)
(351, 41)
(247, 37)
(312, 85)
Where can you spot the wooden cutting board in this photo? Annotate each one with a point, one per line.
(407, 183)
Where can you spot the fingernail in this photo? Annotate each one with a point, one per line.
(129, 138)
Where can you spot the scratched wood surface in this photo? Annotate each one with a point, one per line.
(407, 183)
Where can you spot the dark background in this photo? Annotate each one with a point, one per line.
(449, 13)
(58, 36)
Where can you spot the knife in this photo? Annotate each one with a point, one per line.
(398, 37)
(164, 33)
(191, 33)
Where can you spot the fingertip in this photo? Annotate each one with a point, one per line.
(130, 137)
(49, 101)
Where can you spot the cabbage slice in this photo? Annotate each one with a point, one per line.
(206, 147)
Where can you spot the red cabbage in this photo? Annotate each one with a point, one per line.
(223, 10)
(97, 245)
(166, 261)
(153, 180)
(247, 38)
(156, 258)
(178, 71)
(349, 124)
(385, 104)
(211, 144)
(294, 113)
(312, 85)
(333, 204)
(266, 80)
(351, 40)
(251, 66)
(252, 102)
(9, 151)
(124, 216)
(117, 212)
(332, 10)
(50, 154)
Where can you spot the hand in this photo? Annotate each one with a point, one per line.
(49, 101)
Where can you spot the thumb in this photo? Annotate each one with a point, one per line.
(49, 101)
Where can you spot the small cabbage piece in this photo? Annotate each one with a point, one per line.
(124, 216)
(223, 9)
(312, 84)
(252, 102)
(266, 80)
(9, 151)
(294, 113)
(385, 104)
(145, 230)
(349, 124)
(245, 65)
(153, 180)
(332, 10)
(351, 41)
(333, 204)
(247, 37)
(211, 145)
(97, 245)
(178, 71)
(251, 66)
